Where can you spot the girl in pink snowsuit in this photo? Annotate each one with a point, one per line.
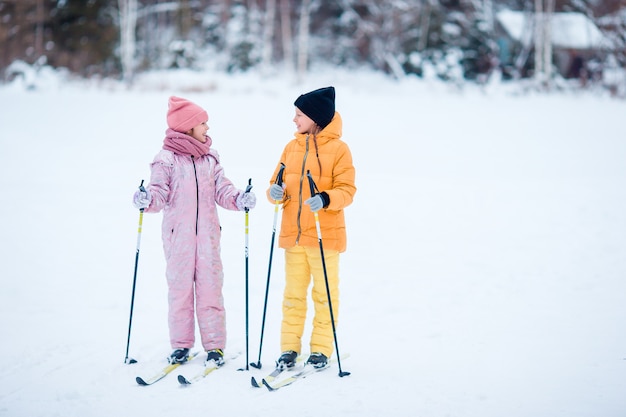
(187, 182)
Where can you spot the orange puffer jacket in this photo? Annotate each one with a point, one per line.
(336, 178)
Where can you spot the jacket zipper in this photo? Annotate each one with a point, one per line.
(302, 174)
(195, 173)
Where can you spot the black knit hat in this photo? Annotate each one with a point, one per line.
(319, 105)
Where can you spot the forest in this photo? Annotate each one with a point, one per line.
(453, 40)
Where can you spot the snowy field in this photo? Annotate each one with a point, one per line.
(485, 274)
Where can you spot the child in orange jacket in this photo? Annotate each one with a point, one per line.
(316, 148)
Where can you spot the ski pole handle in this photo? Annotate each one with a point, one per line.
(311, 183)
(143, 190)
(279, 176)
(248, 188)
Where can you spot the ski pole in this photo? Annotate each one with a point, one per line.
(132, 297)
(330, 304)
(279, 181)
(248, 188)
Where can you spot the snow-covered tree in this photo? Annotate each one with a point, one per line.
(268, 35)
(303, 39)
(455, 38)
(543, 41)
(286, 35)
(128, 25)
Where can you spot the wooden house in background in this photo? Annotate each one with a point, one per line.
(577, 43)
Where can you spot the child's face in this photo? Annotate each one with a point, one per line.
(303, 123)
(199, 132)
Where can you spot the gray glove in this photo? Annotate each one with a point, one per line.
(276, 192)
(316, 202)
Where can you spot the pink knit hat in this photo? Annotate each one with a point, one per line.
(183, 115)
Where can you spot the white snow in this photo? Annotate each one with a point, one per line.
(485, 273)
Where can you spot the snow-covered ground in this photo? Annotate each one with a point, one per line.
(485, 273)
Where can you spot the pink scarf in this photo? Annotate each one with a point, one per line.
(183, 144)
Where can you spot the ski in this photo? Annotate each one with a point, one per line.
(199, 376)
(272, 376)
(303, 373)
(163, 373)
(208, 368)
(269, 378)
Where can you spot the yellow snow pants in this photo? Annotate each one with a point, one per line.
(302, 263)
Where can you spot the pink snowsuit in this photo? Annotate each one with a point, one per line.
(187, 189)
